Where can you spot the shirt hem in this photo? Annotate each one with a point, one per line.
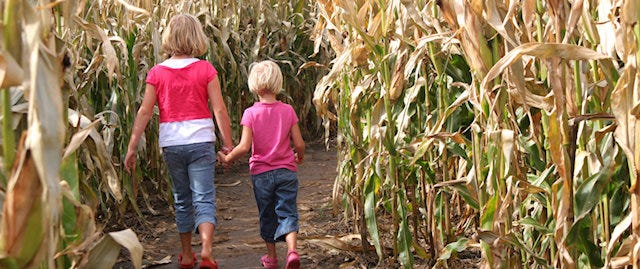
(254, 172)
(182, 142)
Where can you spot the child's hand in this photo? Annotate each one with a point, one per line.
(223, 159)
(130, 161)
(299, 158)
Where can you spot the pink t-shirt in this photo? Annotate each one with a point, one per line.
(182, 92)
(271, 125)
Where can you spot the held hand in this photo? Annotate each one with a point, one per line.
(222, 157)
(299, 158)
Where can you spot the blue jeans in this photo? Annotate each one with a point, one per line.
(192, 168)
(276, 192)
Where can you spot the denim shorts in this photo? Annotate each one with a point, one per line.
(276, 192)
(192, 168)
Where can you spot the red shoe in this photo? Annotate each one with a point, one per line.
(269, 263)
(208, 264)
(187, 266)
(293, 260)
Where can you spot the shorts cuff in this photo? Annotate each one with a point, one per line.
(212, 221)
(281, 234)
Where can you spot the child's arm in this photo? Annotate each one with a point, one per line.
(241, 149)
(298, 143)
(142, 118)
(220, 112)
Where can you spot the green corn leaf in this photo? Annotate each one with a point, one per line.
(469, 196)
(529, 221)
(371, 185)
(69, 173)
(8, 263)
(589, 194)
(516, 242)
(534, 156)
(486, 220)
(580, 237)
(454, 247)
(404, 234)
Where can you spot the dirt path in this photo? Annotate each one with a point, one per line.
(237, 242)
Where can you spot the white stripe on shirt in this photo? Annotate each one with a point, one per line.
(186, 132)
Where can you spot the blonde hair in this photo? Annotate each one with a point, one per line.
(184, 36)
(265, 76)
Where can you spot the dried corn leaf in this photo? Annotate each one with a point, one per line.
(623, 100)
(108, 51)
(98, 151)
(104, 254)
(133, 8)
(11, 73)
(337, 242)
(24, 223)
(46, 130)
(539, 50)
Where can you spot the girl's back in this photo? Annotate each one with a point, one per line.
(182, 90)
(271, 130)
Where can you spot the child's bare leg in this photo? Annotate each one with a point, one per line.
(292, 241)
(187, 251)
(271, 250)
(293, 258)
(206, 235)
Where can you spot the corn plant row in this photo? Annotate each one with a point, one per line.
(503, 128)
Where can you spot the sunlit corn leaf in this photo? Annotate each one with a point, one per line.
(540, 50)
(498, 21)
(133, 8)
(624, 109)
(78, 138)
(335, 242)
(104, 253)
(109, 53)
(616, 235)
